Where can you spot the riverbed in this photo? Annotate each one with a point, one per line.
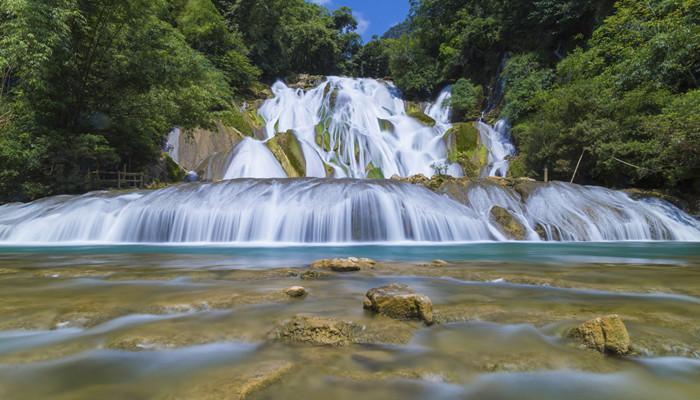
(198, 322)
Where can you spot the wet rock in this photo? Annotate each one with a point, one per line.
(508, 224)
(318, 331)
(313, 275)
(605, 334)
(305, 81)
(399, 302)
(296, 291)
(351, 264)
(439, 263)
(265, 375)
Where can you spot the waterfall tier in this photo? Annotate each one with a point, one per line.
(342, 211)
(355, 128)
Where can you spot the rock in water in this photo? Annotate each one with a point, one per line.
(295, 291)
(399, 302)
(317, 331)
(605, 334)
(508, 224)
(344, 264)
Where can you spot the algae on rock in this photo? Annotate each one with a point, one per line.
(287, 150)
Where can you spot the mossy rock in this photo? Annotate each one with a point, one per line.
(287, 150)
(414, 110)
(507, 223)
(605, 334)
(323, 138)
(318, 331)
(175, 172)
(386, 125)
(399, 302)
(374, 172)
(463, 137)
(465, 148)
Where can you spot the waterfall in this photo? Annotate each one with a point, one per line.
(340, 211)
(172, 145)
(355, 128)
(497, 140)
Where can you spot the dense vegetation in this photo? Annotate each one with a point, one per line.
(97, 83)
(616, 81)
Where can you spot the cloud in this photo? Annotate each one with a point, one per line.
(362, 22)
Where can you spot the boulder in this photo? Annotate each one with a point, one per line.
(318, 331)
(295, 291)
(287, 150)
(605, 334)
(350, 264)
(507, 223)
(399, 302)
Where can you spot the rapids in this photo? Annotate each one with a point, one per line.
(340, 211)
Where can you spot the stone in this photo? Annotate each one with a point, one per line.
(313, 275)
(439, 263)
(605, 334)
(319, 331)
(350, 264)
(508, 224)
(295, 291)
(399, 302)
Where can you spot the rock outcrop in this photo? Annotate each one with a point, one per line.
(317, 331)
(350, 264)
(399, 302)
(605, 334)
(508, 224)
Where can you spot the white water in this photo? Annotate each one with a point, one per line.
(365, 125)
(324, 211)
(497, 140)
(172, 146)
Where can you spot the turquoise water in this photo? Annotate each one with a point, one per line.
(677, 253)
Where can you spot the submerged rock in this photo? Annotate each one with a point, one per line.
(318, 331)
(399, 302)
(313, 275)
(508, 224)
(351, 264)
(296, 291)
(605, 334)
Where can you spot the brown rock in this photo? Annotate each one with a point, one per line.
(295, 291)
(399, 302)
(351, 264)
(317, 331)
(507, 223)
(605, 334)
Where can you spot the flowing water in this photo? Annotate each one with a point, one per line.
(176, 293)
(173, 322)
(339, 211)
(350, 126)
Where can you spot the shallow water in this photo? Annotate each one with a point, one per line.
(193, 322)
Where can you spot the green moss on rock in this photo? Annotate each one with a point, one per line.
(414, 110)
(465, 148)
(507, 223)
(374, 172)
(287, 150)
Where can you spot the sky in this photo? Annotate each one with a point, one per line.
(374, 17)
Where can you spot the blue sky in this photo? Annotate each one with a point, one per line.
(374, 17)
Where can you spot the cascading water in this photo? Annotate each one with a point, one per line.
(355, 128)
(341, 211)
(497, 140)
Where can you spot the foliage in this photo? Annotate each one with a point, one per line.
(294, 36)
(466, 100)
(630, 100)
